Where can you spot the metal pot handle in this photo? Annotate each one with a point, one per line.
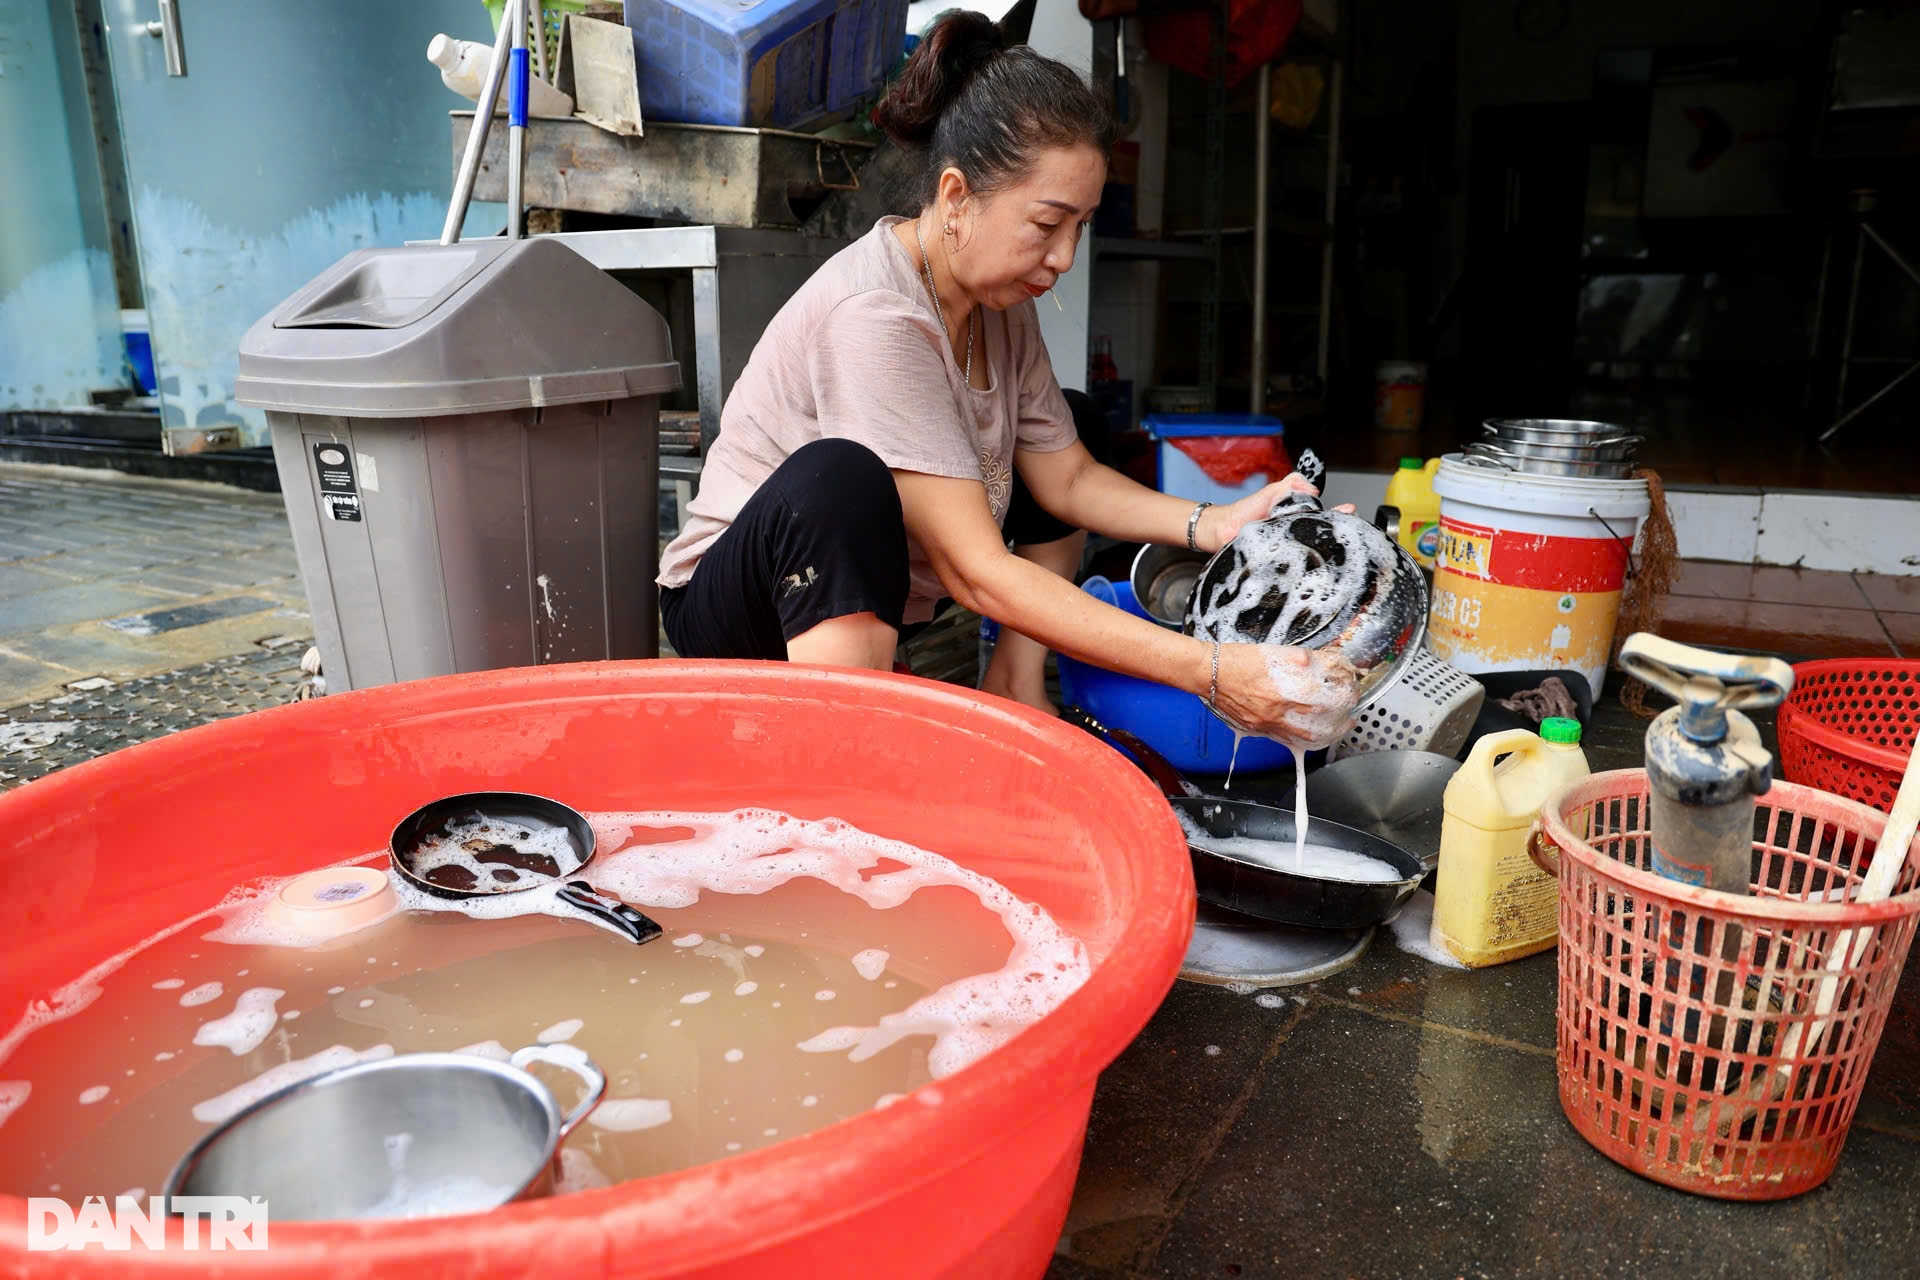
(1543, 851)
(637, 926)
(576, 1061)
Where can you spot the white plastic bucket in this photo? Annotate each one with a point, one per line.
(1530, 568)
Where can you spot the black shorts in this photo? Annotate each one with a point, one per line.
(823, 538)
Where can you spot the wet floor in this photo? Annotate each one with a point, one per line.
(1402, 1120)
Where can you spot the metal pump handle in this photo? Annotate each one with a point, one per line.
(1705, 683)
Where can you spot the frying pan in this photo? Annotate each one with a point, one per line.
(514, 842)
(1263, 889)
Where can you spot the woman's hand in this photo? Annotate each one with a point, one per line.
(1302, 697)
(1219, 525)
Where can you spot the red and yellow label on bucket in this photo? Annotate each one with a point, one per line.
(1505, 599)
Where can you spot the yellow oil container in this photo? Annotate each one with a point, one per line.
(1411, 489)
(1491, 904)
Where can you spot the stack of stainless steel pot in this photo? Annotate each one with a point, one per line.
(1555, 447)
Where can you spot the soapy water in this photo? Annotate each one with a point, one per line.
(1321, 862)
(695, 872)
(489, 855)
(1413, 931)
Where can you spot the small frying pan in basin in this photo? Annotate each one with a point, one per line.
(1268, 890)
(483, 843)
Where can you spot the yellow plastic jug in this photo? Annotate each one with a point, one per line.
(1491, 903)
(1411, 489)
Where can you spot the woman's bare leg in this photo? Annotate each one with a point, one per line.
(855, 640)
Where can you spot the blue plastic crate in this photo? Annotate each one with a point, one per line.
(769, 63)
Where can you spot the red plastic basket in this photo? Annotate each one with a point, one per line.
(1849, 724)
(1689, 1049)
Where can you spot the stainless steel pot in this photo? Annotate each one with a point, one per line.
(1163, 579)
(1342, 586)
(1486, 455)
(1551, 430)
(1599, 449)
(413, 1136)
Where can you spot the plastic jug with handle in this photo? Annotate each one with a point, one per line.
(1410, 493)
(1491, 903)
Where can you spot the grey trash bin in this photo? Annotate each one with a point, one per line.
(466, 437)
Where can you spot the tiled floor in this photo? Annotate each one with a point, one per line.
(1806, 613)
(111, 577)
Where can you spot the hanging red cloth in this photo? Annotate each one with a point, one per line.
(1257, 30)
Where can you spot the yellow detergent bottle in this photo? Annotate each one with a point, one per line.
(1491, 903)
(1411, 490)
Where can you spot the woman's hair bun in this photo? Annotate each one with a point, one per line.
(957, 47)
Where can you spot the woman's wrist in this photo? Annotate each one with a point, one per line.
(1206, 532)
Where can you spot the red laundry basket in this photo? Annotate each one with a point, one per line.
(1849, 724)
(1688, 1049)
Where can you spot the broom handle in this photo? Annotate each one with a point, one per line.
(1850, 946)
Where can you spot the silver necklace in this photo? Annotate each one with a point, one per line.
(939, 313)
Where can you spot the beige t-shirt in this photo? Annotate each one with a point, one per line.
(857, 354)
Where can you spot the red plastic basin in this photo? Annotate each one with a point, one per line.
(97, 857)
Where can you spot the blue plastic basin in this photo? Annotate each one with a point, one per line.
(1171, 721)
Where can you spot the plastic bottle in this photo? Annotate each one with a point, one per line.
(463, 69)
(1492, 904)
(1411, 490)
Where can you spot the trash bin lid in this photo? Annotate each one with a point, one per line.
(473, 327)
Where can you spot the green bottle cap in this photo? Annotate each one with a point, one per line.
(1412, 464)
(1560, 729)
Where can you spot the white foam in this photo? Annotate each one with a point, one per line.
(90, 1096)
(810, 1101)
(447, 848)
(1213, 1051)
(578, 1172)
(754, 850)
(492, 1049)
(754, 949)
(169, 984)
(733, 1055)
(1413, 931)
(695, 997)
(165, 1055)
(243, 1030)
(205, 993)
(871, 963)
(366, 1002)
(1270, 1000)
(626, 1115)
(688, 940)
(886, 1100)
(746, 988)
(1323, 862)
(13, 1095)
(334, 991)
(823, 995)
(559, 1031)
(225, 1106)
